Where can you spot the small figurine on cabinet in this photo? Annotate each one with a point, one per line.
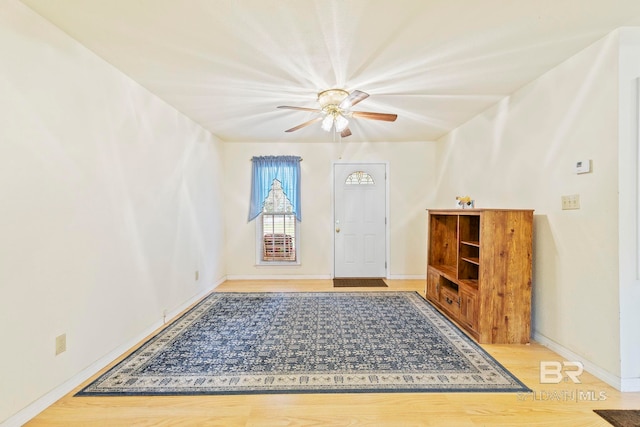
(464, 202)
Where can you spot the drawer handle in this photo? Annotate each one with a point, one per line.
(451, 301)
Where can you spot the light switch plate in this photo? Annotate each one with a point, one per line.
(571, 202)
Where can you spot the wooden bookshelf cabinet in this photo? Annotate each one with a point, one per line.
(479, 271)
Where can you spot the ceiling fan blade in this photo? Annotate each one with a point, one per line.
(288, 107)
(345, 133)
(305, 124)
(353, 98)
(375, 116)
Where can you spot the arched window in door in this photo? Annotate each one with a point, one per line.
(359, 178)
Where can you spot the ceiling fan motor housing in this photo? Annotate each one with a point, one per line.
(332, 97)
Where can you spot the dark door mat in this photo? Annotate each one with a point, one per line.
(358, 282)
(620, 417)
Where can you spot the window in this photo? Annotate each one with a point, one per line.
(275, 200)
(359, 178)
(279, 229)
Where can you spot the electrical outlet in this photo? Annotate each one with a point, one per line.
(61, 344)
(571, 202)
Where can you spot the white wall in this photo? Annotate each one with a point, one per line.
(629, 113)
(520, 154)
(109, 202)
(412, 187)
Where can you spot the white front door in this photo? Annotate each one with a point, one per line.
(359, 220)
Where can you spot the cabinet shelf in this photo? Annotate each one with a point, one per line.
(473, 284)
(471, 281)
(475, 261)
(449, 271)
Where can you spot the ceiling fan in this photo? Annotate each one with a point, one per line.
(335, 109)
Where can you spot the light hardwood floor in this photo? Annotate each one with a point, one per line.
(564, 404)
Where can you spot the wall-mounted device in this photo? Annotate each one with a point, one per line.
(583, 166)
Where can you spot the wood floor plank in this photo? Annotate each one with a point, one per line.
(549, 405)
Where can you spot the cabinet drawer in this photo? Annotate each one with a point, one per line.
(449, 300)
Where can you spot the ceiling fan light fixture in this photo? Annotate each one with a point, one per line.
(330, 102)
(341, 123)
(327, 123)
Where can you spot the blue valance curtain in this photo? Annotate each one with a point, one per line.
(285, 169)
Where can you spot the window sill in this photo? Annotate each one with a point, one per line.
(278, 264)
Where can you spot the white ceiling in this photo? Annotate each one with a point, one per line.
(228, 64)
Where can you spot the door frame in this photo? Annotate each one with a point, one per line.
(387, 249)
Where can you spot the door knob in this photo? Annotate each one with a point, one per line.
(337, 229)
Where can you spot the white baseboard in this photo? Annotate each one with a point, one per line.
(630, 385)
(316, 277)
(30, 411)
(278, 277)
(407, 277)
(624, 385)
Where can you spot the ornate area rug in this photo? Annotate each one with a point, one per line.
(333, 342)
